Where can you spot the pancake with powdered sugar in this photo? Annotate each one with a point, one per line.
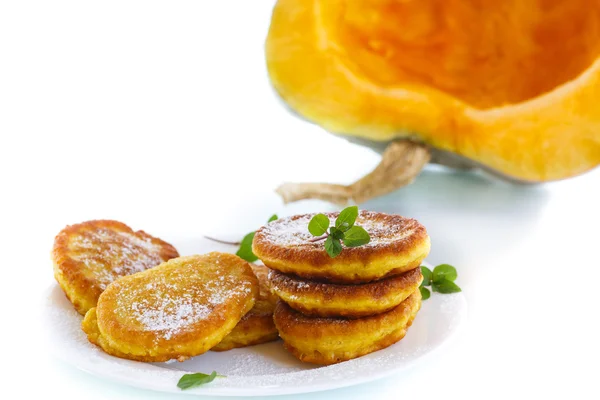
(87, 257)
(338, 300)
(397, 245)
(327, 341)
(177, 310)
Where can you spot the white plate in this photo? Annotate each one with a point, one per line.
(260, 370)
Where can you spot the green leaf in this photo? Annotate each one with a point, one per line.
(426, 276)
(336, 233)
(425, 293)
(356, 236)
(444, 272)
(245, 250)
(445, 286)
(346, 218)
(318, 225)
(344, 226)
(333, 247)
(188, 381)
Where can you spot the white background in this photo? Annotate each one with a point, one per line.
(160, 114)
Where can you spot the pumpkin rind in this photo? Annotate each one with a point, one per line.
(553, 135)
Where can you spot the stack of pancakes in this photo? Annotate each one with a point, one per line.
(336, 309)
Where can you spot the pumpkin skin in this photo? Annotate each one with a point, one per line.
(512, 85)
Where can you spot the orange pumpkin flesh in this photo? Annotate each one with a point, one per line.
(513, 85)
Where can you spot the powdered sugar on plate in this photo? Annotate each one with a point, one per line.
(261, 370)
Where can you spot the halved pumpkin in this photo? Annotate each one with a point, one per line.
(513, 85)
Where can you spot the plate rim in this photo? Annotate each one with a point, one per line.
(273, 390)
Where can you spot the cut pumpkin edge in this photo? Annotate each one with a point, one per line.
(553, 136)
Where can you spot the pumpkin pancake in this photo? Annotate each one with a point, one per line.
(332, 340)
(257, 326)
(87, 257)
(350, 301)
(177, 310)
(397, 245)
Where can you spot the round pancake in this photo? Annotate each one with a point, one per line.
(257, 326)
(350, 301)
(177, 310)
(397, 245)
(87, 257)
(331, 340)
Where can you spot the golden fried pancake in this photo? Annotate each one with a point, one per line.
(177, 310)
(257, 326)
(350, 301)
(397, 245)
(89, 256)
(331, 340)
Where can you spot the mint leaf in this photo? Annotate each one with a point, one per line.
(356, 236)
(333, 247)
(425, 293)
(336, 233)
(444, 272)
(445, 286)
(426, 276)
(188, 381)
(344, 226)
(344, 230)
(346, 218)
(245, 250)
(318, 225)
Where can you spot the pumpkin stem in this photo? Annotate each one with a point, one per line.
(337, 194)
(400, 164)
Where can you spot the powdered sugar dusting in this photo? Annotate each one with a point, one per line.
(296, 283)
(293, 231)
(301, 285)
(170, 301)
(170, 316)
(109, 254)
(257, 370)
(288, 232)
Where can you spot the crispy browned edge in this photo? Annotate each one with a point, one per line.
(71, 269)
(375, 290)
(371, 292)
(292, 324)
(258, 322)
(266, 298)
(386, 341)
(259, 325)
(316, 255)
(148, 339)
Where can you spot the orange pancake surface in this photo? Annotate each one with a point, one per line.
(87, 257)
(397, 245)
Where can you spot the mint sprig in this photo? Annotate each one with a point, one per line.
(245, 250)
(188, 381)
(343, 230)
(441, 280)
